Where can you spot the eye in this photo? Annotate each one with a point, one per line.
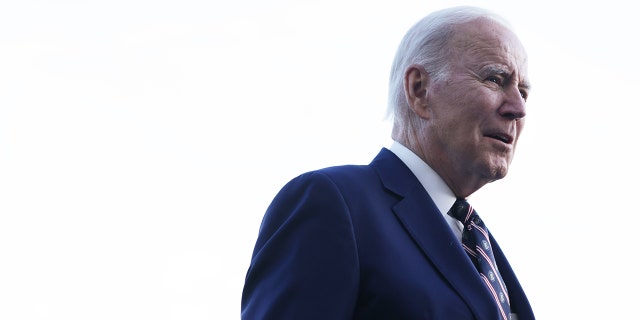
(496, 79)
(524, 94)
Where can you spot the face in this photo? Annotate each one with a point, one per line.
(476, 114)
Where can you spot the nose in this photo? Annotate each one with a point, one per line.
(513, 107)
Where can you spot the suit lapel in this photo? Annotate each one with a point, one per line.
(423, 221)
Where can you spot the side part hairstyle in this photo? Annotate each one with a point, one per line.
(426, 44)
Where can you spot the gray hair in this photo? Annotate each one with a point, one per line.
(426, 44)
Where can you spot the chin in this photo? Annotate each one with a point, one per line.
(497, 171)
(499, 166)
(501, 172)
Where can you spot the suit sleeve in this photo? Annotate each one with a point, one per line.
(305, 263)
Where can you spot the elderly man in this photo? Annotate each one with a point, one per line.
(396, 239)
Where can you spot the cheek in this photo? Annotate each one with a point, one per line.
(459, 107)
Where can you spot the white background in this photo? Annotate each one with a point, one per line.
(141, 142)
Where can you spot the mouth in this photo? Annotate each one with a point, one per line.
(500, 136)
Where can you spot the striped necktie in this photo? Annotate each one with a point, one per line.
(475, 241)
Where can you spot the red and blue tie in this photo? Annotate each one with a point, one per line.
(475, 241)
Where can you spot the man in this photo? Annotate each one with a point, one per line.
(379, 241)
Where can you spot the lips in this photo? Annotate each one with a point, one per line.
(500, 136)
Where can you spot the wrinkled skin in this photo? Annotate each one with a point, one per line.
(471, 120)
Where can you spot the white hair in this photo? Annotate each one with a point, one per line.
(426, 44)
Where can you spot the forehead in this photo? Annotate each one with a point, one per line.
(482, 42)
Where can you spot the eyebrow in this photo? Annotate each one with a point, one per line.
(525, 85)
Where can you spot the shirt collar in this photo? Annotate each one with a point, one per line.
(440, 193)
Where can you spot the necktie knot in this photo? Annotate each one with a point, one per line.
(463, 212)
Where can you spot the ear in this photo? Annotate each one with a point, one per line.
(416, 89)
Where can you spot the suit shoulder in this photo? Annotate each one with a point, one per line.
(343, 174)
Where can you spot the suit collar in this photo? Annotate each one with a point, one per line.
(437, 188)
(423, 221)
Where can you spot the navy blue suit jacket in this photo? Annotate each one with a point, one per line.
(366, 242)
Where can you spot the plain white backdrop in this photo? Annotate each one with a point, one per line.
(141, 142)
